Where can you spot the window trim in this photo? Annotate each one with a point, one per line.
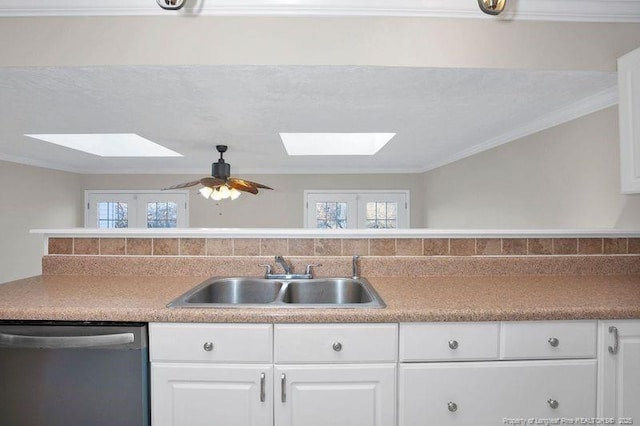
(133, 194)
(357, 193)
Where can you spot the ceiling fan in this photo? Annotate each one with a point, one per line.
(220, 184)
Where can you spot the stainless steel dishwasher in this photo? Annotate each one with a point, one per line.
(61, 373)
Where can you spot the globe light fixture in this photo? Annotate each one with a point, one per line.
(492, 7)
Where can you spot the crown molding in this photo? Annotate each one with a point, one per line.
(542, 10)
(45, 164)
(591, 104)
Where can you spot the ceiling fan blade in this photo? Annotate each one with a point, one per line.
(211, 182)
(182, 185)
(248, 182)
(233, 183)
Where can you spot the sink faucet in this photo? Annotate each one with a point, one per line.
(288, 271)
(287, 268)
(355, 273)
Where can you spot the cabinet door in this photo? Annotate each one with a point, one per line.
(205, 394)
(495, 393)
(619, 372)
(345, 395)
(629, 111)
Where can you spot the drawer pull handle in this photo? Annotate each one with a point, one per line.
(614, 349)
(337, 346)
(453, 344)
(554, 342)
(553, 403)
(262, 392)
(452, 406)
(208, 346)
(283, 387)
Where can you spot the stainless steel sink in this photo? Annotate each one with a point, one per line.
(245, 292)
(340, 291)
(236, 291)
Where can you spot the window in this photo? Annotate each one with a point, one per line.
(381, 214)
(112, 214)
(162, 214)
(138, 209)
(356, 209)
(331, 215)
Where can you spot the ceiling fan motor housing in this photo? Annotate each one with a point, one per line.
(221, 170)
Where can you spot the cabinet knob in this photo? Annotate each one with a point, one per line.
(453, 344)
(208, 346)
(554, 342)
(452, 406)
(553, 403)
(337, 346)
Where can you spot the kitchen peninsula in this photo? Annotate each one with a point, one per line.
(558, 310)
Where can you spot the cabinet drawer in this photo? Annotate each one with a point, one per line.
(335, 343)
(210, 342)
(449, 341)
(548, 339)
(487, 393)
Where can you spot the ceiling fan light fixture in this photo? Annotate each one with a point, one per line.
(224, 191)
(220, 193)
(492, 7)
(216, 196)
(206, 192)
(234, 193)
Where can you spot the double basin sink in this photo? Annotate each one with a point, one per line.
(246, 292)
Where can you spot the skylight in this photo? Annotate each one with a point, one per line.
(334, 143)
(109, 145)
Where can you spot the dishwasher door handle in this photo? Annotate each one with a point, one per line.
(65, 342)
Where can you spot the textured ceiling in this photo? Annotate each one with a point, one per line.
(439, 114)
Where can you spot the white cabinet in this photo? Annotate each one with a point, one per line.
(232, 343)
(461, 341)
(619, 371)
(205, 394)
(488, 393)
(629, 111)
(548, 339)
(511, 371)
(321, 395)
(335, 343)
(484, 374)
(335, 374)
(203, 374)
(223, 374)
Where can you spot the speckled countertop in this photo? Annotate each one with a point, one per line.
(144, 299)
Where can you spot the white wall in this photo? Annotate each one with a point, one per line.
(33, 197)
(378, 41)
(564, 177)
(281, 208)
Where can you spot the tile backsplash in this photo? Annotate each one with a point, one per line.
(342, 246)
